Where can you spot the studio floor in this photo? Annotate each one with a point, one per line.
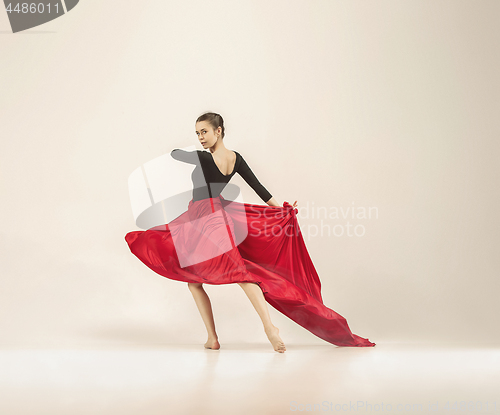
(252, 379)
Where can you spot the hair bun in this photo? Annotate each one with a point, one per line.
(214, 119)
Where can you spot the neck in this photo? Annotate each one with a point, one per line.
(218, 146)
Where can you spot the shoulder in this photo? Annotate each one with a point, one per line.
(238, 155)
(241, 165)
(234, 156)
(238, 160)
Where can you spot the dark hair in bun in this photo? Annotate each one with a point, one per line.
(214, 119)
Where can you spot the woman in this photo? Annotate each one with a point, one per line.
(218, 241)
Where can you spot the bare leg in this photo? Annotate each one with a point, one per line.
(256, 296)
(205, 309)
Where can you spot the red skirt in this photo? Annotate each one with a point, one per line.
(219, 241)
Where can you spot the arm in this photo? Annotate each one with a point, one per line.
(191, 157)
(273, 202)
(248, 175)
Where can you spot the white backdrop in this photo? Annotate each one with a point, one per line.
(336, 104)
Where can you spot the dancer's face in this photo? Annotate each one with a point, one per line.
(206, 134)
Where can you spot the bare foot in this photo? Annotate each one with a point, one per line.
(275, 339)
(212, 344)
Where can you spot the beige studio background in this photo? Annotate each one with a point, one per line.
(385, 104)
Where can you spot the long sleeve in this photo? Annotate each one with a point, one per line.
(191, 157)
(248, 175)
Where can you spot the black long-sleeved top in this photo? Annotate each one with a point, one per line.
(208, 180)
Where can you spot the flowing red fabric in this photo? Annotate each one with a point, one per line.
(201, 246)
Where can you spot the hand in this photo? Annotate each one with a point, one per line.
(294, 206)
